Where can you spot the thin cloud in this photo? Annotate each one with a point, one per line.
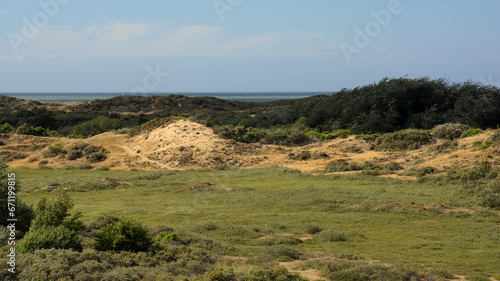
(140, 40)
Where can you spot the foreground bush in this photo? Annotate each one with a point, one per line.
(123, 235)
(48, 237)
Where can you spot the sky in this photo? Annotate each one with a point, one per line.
(177, 46)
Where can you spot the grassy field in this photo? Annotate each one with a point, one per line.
(393, 221)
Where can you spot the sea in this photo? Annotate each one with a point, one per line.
(233, 96)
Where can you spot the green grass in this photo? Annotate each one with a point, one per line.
(276, 200)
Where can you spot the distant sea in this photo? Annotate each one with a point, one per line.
(235, 96)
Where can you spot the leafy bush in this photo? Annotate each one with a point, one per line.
(447, 145)
(278, 252)
(450, 130)
(490, 196)
(313, 229)
(393, 166)
(471, 133)
(404, 140)
(56, 213)
(123, 235)
(54, 150)
(273, 275)
(26, 129)
(281, 240)
(85, 167)
(96, 126)
(6, 128)
(47, 237)
(341, 165)
(331, 235)
(495, 137)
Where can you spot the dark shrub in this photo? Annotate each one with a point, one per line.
(393, 166)
(53, 151)
(404, 140)
(123, 235)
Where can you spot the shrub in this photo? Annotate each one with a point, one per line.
(123, 235)
(281, 240)
(450, 130)
(96, 126)
(274, 275)
(404, 140)
(278, 252)
(6, 128)
(393, 166)
(490, 196)
(85, 167)
(471, 133)
(220, 274)
(447, 145)
(331, 235)
(53, 151)
(47, 237)
(313, 229)
(341, 165)
(56, 213)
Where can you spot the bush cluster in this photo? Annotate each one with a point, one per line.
(450, 131)
(404, 140)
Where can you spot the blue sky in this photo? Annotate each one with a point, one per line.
(114, 46)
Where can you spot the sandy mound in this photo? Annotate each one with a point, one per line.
(187, 145)
(205, 187)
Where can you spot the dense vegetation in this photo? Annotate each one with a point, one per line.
(386, 106)
(243, 233)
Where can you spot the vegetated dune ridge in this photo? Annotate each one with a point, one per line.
(187, 145)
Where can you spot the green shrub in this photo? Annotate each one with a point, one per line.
(277, 274)
(447, 145)
(26, 129)
(471, 133)
(312, 229)
(281, 240)
(368, 137)
(490, 196)
(85, 167)
(220, 274)
(404, 140)
(450, 130)
(495, 137)
(393, 166)
(96, 126)
(123, 235)
(56, 213)
(6, 128)
(47, 237)
(53, 151)
(278, 252)
(341, 165)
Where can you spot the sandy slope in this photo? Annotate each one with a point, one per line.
(188, 145)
